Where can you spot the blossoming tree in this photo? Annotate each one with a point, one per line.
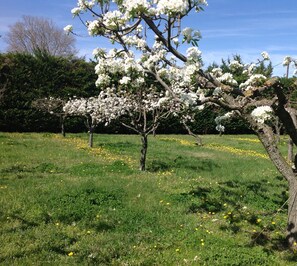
(154, 28)
(141, 104)
(53, 106)
(94, 110)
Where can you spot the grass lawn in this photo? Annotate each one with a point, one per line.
(62, 203)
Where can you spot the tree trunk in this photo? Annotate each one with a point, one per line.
(292, 216)
(62, 122)
(290, 150)
(265, 135)
(293, 115)
(190, 132)
(63, 130)
(91, 133)
(278, 127)
(143, 152)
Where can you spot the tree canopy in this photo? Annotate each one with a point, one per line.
(37, 34)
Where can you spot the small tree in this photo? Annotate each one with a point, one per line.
(53, 106)
(142, 113)
(36, 34)
(86, 108)
(133, 96)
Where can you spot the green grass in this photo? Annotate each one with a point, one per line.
(64, 204)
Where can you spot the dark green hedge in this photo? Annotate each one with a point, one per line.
(27, 78)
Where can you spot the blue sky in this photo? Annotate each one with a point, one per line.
(228, 27)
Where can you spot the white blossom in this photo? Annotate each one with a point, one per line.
(217, 72)
(68, 29)
(139, 43)
(220, 128)
(93, 27)
(287, 61)
(103, 80)
(175, 41)
(228, 79)
(187, 33)
(76, 11)
(235, 65)
(114, 19)
(171, 7)
(253, 80)
(135, 5)
(125, 80)
(193, 54)
(262, 114)
(265, 55)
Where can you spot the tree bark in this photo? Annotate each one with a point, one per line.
(293, 114)
(143, 152)
(265, 135)
(190, 132)
(290, 150)
(63, 132)
(292, 216)
(91, 136)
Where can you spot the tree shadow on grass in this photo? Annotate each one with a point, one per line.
(124, 145)
(228, 199)
(103, 226)
(181, 162)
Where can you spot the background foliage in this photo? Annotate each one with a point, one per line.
(28, 77)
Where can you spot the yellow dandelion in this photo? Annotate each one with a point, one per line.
(272, 222)
(259, 220)
(70, 254)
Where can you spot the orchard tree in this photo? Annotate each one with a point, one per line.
(142, 111)
(141, 102)
(87, 108)
(39, 35)
(144, 24)
(101, 109)
(53, 106)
